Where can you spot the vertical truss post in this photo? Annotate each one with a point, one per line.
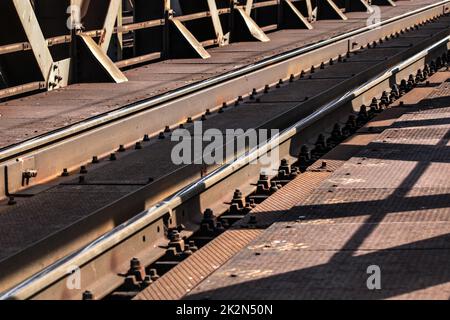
(168, 14)
(108, 25)
(120, 34)
(248, 7)
(216, 22)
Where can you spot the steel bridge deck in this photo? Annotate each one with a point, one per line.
(385, 205)
(24, 118)
(31, 220)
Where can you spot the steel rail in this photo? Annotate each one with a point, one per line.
(58, 270)
(14, 150)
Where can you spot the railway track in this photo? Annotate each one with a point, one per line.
(178, 216)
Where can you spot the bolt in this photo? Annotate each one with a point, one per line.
(274, 187)
(121, 148)
(304, 158)
(208, 112)
(167, 129)
(374, 105)
(220, 110)
(291, 78)
(161, 135)
(322, 65)
(266, 88)
(192, 246)
(331, 62)
(340, 58)
(240, 98)
(112, 157)
(65, 173)
(146, 138)
(203, 118)
(83, 170)
(138, 146)
(224, 105)
(11, 201)
(302, 74)
(280, 82)
(135, 264)
(284, 167)
(385, 98)
(312, 69)
(403, 87)
(87, 295)
(323, 165)
(153, 274)
(181, 126)
(238, 198)
(95, 159)
(189, 120)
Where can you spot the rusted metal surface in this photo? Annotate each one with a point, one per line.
(188, 273)
(208, 197)
(276, 206)
(18, 129)
(124, 201)
(387, 205)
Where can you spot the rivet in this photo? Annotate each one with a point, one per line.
(11, 201)
(161, 135)
(189, 120)
(121, 148)
(95, 159)
(65, 173)
(167, 129)
(146, 138)
(138, 146)
(87, 295)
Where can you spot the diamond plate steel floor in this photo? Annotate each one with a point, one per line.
(387, 206)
